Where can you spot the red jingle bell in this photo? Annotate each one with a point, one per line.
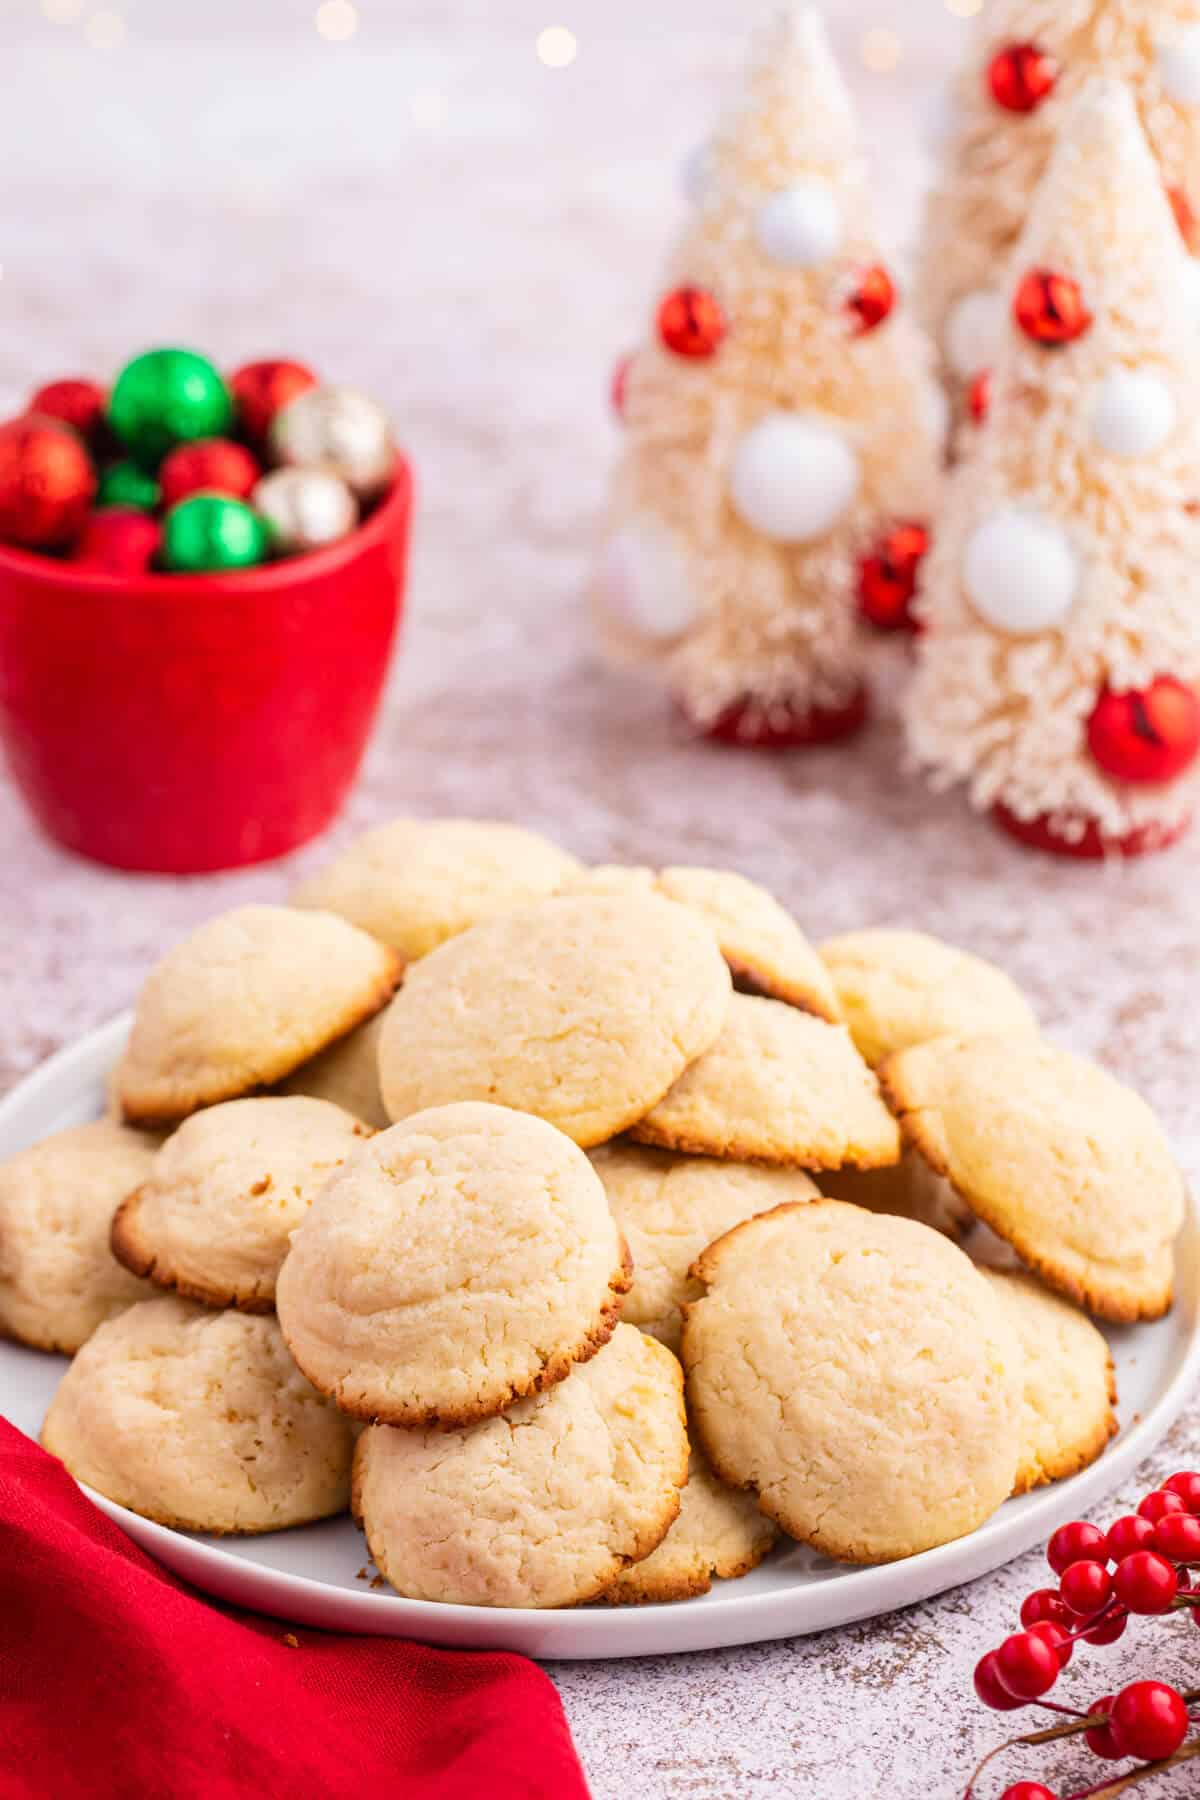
(1020, 76)
(261, 389)
(47, 483)
(212, 466)
(119, 541)
(887, 579)
(78, 403)
(1185, 217)
(1049, 308)
(691, 323)
(979, 396)
(871, 299)
(1146, 736)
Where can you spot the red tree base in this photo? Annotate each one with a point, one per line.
(749, 726)
(1038, 834)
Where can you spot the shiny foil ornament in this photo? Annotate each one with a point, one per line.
(1146, 736)
(168, 397)
(691, 323)
(1020, 76)
(127, 484)
(1049, 308)
(78, 403)
(262, 389)
(47, 483)
(304, 509)
(887, 579)
(211, 466)
(871, 299)
(339, 429)
(119, 541)
(979, 396)
(211, 533)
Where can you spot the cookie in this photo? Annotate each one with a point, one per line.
(909, 1188)
(214, 1214)
(200, 1420)
(242, 1002)
(543, 1507)
(778, 1086)
(581, 1010)
(416, 882)
(720, 1533)
(1070, 1388)
(858, 1373)
(899, 988)
(1057, 1157)
(611, 878)
(347, 1073)
(764, 947)
(462, 1260)
(669, 1208)
(58, 1277)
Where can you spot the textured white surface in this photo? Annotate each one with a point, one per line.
(323, 216)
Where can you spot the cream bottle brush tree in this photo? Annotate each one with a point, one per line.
(782, 429)
(1027, 62)
(1061, 601)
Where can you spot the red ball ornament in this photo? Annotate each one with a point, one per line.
(871, 299)
(979, 396)
(119, 541)
(1185, 217)
(887, 579)
(1049, 308)
(211, 466)
(261, 389)
(1020, 76)
(78, 403)
(751, 725)
(47, 483)
(1148, 735)
(691, 323)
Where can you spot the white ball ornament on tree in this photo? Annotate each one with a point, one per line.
(975, 332)
(1020, 571)
(1178, 59)
(696, 172)
(305, 509)
(800, 227)
(1133, 413)
(643, 585)
(340, 429)
(792, 476)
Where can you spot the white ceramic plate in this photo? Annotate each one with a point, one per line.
(311, 1576)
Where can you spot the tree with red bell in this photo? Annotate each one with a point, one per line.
(780, 427)
(1062, 586)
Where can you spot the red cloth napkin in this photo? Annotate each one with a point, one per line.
(117, 1681)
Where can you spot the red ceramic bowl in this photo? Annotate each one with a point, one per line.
(183, 723)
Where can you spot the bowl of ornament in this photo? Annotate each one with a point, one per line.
(201, 579)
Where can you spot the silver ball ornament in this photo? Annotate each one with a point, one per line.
(339, 429)
(304, 508)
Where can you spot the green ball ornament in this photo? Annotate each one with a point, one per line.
(126, 484)
(168, 397)
(212, 533)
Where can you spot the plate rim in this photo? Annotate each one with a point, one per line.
(727, 1617)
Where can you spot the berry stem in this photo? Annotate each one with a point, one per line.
(1108, 1790)
(1081, 1723)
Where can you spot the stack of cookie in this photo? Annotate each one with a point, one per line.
(613, 1118)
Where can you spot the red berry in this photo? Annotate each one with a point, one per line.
(1156, 1505)
(1044, 1603)
(1145, 1582)
(1049, 308)
(1086, 1588)
(1027, 1790)
(1127, 1535)
(871, 299)
(1187, 1485)
(1100, 1739)
(990, 1688)
(1073, 1543)
(690, 322)
(1109, 1628)
(1020, 76)
(979, 395)
(1026, 1664)
(1177, 1535)
(1057, 1636)
(1149, 1720)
